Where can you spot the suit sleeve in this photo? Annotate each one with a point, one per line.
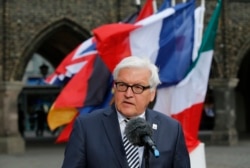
(74, 155)
(181, 158)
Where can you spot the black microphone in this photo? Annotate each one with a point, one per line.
(139, 133)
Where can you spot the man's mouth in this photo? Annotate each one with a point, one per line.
(126, 102)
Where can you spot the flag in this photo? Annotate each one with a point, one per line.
(60, 116)
(89, 84)
(184, 101)
(165, 4)
(72, 63)
(76, 92)
(65, 133)
(79, 62)
(146, 11)
(166, 38)
(82, 94)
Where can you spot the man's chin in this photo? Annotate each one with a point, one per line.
(127, 112)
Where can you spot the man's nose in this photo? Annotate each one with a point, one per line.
(129, 92)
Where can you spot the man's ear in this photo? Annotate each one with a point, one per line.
(153, 95)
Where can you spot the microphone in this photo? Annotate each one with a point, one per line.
(139, 133)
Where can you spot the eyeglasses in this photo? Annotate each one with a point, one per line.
(136, 88)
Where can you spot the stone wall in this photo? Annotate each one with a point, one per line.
(1, 37)
(26, 19)
(235, 29)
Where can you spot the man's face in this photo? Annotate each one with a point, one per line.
(129, 103)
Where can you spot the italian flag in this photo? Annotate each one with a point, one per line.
(184, 101)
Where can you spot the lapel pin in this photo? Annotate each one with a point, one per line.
(154, 126)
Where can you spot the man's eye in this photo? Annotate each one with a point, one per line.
(137, 86)
(122, 84)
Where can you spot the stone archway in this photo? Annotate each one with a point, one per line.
(243, 93)
(53, 44)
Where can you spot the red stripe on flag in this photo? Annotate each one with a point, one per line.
(190, 121)
(146, 11)
(74, 93)
(65, 133)
(61, 69)
(113, 42)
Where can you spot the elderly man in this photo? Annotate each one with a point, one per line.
(97, 139)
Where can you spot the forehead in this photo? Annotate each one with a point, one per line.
(134, 74)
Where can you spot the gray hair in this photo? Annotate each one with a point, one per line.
(137, 62)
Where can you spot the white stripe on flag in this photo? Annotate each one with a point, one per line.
(190, 91)
(151, 30)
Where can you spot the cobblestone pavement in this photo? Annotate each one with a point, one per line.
(229, 157)
(49, 155)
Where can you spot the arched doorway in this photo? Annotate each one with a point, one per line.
(35, 99)
(243, 96)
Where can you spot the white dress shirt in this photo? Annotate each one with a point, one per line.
(122, 123)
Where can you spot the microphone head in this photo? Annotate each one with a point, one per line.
(136, 129)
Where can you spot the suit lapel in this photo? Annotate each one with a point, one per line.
(152, 118)
(155, 125)
(112, 129)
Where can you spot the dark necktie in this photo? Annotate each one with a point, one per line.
(132, 153)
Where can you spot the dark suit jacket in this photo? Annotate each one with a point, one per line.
(96, 142)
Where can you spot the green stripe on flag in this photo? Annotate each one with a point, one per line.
(208, 39)
(211, 30)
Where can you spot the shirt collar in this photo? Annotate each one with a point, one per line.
(121, 118)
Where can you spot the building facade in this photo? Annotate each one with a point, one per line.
(54, 28)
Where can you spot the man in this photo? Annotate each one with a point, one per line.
(97, 138)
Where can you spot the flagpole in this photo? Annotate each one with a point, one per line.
(173, 3)
(138, 4)
(203, 3)
(223, 32)
(154, 6)
(201, 22)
